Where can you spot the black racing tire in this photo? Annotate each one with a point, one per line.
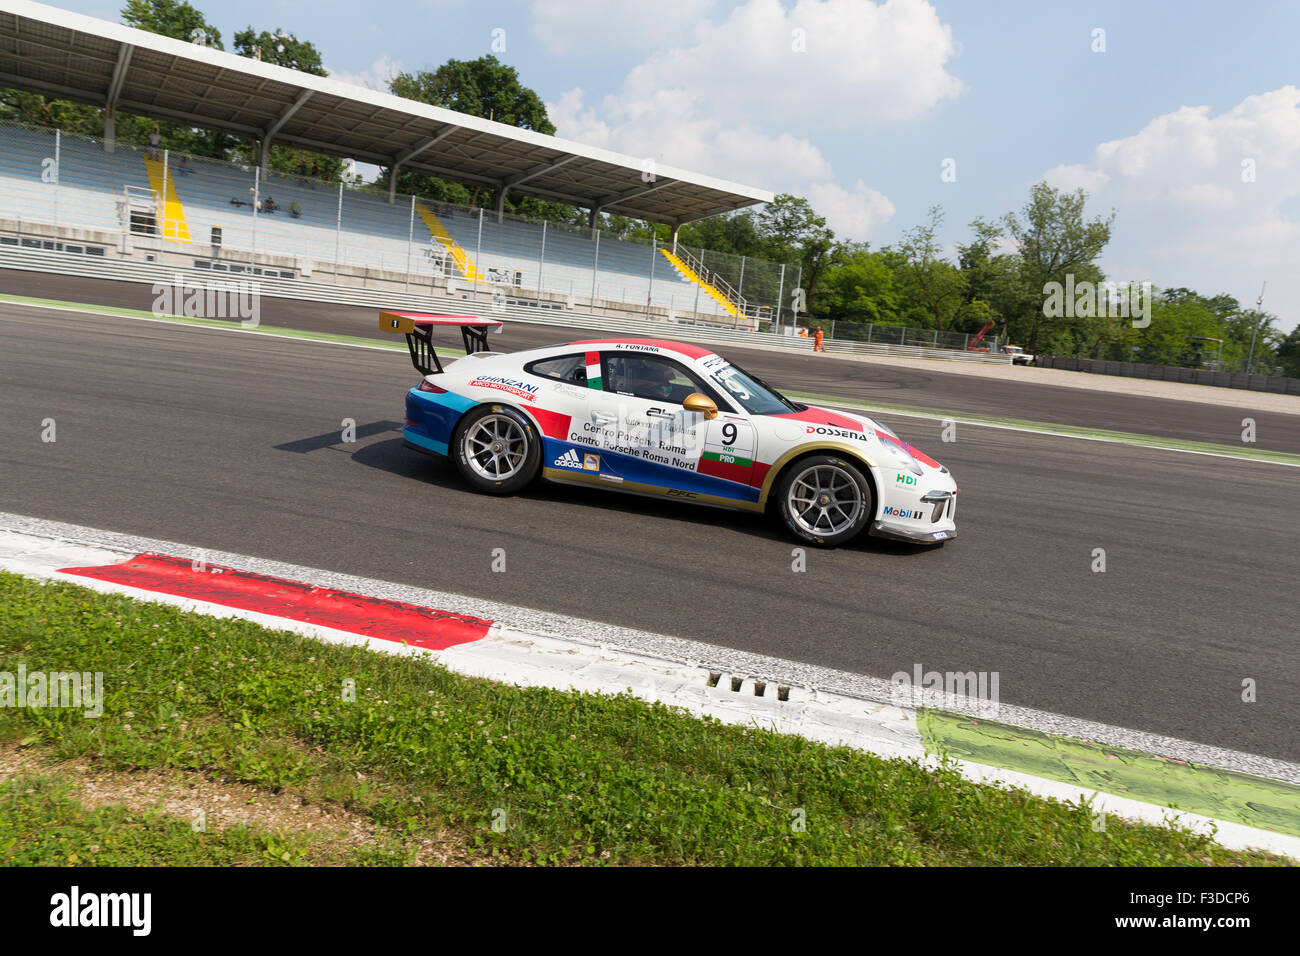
(825, 500)
(496, 449)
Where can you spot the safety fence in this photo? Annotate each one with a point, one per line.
(38, 258)
(1172, 373)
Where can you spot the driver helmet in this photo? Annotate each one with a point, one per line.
(650, 378)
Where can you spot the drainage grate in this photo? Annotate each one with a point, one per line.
(737, 684)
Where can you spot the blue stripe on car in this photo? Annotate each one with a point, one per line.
(435, 415)
(631, 468)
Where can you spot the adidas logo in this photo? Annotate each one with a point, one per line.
(569, 459)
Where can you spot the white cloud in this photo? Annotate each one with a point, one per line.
(853, 215)
(375, 78)
(838, 63)
(742, 98)
(1203, 200)
(1075, 177)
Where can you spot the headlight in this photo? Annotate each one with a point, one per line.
(903, 456)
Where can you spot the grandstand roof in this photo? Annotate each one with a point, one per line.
(52, 51)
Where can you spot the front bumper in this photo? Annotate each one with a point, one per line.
(881, 530)
(925, 519)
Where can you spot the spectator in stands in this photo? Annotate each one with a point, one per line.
(269, 206)
(294, 209)
(183, 167)
(315, 171)
(155, 140)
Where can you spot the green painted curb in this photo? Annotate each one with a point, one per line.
(1221, 794)
(1069, 431)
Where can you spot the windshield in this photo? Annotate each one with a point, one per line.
(751, 392)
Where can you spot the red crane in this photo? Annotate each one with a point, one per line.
(971, 345)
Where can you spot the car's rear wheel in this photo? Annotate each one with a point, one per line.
(825, 500)
(497, 449)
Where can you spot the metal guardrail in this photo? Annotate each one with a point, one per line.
(126, 270)
(1173, 373)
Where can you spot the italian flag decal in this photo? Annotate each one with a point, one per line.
(593, 370)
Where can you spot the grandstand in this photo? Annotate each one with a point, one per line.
(104, 197)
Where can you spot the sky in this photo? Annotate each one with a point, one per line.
(1182, 117)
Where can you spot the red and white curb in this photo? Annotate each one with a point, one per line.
(505, 643)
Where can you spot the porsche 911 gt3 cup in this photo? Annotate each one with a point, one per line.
(654, 417)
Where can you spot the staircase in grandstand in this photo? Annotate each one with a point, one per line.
(691, 272)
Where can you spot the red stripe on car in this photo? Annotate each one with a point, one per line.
(551, 424)
(681, 348)
(821, 416)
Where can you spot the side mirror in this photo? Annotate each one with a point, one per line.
(695, 402)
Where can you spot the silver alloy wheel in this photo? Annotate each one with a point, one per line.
(495, 447)
(824, 500)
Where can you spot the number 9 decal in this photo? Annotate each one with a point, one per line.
(728, 434)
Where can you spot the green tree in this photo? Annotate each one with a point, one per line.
(933, 285)
(174, 19)
(485, 87)
(280, 48)
(790, 231)
(491, 90)
(857, 287)
(1054, 240)
(1288, 353)
(285, 49)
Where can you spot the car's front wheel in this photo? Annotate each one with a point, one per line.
(497, 449)
(825, 500)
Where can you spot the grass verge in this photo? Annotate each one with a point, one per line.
(494, 771)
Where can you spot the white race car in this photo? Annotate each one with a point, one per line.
(662, 418)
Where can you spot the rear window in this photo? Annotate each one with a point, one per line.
(564, 368)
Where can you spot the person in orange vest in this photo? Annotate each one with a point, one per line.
(817, 340)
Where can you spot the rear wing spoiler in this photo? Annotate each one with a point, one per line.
(418, 328)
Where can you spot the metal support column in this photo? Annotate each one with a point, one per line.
(257, 201)
(58, 174)
(166, 166)
(780, 293)
(654, 254)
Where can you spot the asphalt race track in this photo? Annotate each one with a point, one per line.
(232, 442)
(808, 373)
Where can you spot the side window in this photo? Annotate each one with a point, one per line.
(650, 377)
(565, 368)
